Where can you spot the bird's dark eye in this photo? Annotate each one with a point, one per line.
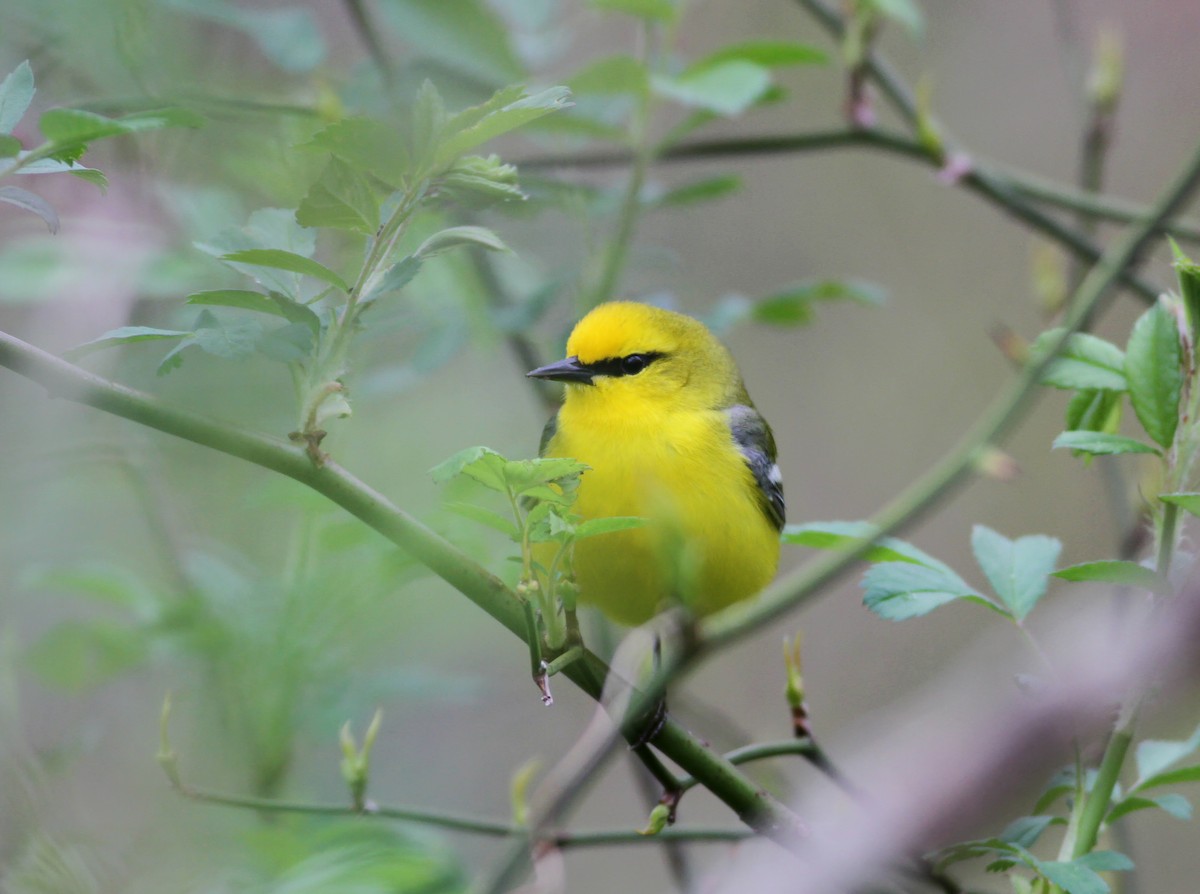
(634, 364)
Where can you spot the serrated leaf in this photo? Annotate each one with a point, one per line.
(228, 341)
(287, 344)
(727, 88)
(498, 122)
(1105, 861)
(16, 93)
(366, 145)
(1100, 443)
(1084, 362)
(838, 535)
(27, 201)
(1017, 569)
(342, 198)
(455, 237)
(123, 336)
(278, 259)
(1026, 830)
(1114, 572)
(1094, 411)
(769, 54)
(1187, 501)
(595, 526)
(481, 463)
(1153, 359)
(1072, 877)
(898, 591)
(274, 304)
(657, 10)
(485, 517)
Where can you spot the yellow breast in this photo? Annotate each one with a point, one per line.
(707, 543)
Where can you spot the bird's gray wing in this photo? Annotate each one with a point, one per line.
(756, 443)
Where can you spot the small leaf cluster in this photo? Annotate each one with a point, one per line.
(67, 135)
(540, 494)
(303, 312)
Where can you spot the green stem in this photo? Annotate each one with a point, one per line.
(757, 752)
(1098, 800)
(999, 187)
(458, 823)
(487, 591)
(1166, 538)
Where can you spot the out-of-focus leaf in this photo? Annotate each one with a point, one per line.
(727, 88)
(497, 121)
(123, 336)
(906, 12)
(456, 237)
(704, 190)
(279, 259)
(792, 305)
(898, 591)
(609, 75)
(288, 36)
(1188, 502)
(27, 201)
(1114, 572)
(656, 10)
(366, 145)
(342, 198)
(838, 535)
(16, 93)
(1100, 443)
(1175, 805)
(1085, 362)
(768, 53)
(595, 526)
(81, 655)
(465, 35)
(486, 517)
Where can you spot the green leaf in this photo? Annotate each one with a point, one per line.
(1018, 570)
(1073, 877)
(366, 145)
(594, 526)
(611, 75)
(769, 54)
(101, 582)
(81, 655)
(1173, 777)
(1084, 362)
(898, 591)
(71, 126)
(464, 35)
(727, 88)
(287, 344)
(342, 198)
(396, 278)
(228, 341)
(288, 36)
(1187, 501)
(906, 12)
(462, 138)
(792, 306)
(477, 182)
(455, 237)
(10, 147)
(1153, 367)
(657, 10)
(838, 535)
(1026, 830)
(27, 201)
(1174, 804)
(1156, 755)
(1094, 411)
(481, 463)
(16, 93)
(1105, 861)
(1114, 572)
(275, 304)
(705, 190)
(485, 517)
(1188, 273)
(123, 336)
(278, 259)
(1100, 444)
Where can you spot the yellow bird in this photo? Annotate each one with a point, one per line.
(655, 406)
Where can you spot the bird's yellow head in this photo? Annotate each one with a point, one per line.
(623, 351)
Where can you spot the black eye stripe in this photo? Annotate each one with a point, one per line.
(629, 365)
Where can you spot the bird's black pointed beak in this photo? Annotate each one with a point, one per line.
(568, 370)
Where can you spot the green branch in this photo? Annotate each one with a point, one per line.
(468, 824)
(799, 586)
(751, 804)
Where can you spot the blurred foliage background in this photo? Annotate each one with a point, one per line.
(135, 564)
